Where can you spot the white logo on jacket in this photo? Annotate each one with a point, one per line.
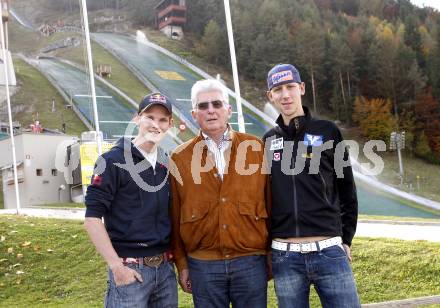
(277, 144)
(313, 140)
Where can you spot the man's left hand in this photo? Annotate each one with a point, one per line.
(347, 251)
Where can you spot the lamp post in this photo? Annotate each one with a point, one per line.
(397, 142)
(240, 121)
(60, 189)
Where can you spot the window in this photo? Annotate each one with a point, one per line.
(39, 172)
(54, 172)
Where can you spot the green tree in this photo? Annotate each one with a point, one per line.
(422, 148)
(408, 124)
(397, 75)
(212, 44)
(342, 61)
(372, 8)
(200, 12)
(143, 11)
(413, 38)
(308, 44)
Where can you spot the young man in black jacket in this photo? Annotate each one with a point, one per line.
(314, 202)
(131, 192)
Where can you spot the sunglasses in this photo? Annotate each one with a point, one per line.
(205, 105)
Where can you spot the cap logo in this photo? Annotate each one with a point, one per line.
(157, 98)
(282, 76)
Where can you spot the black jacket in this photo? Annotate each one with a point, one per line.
(313, 200)
(136, 220)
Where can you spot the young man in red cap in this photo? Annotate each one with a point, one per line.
(131, 192)
(314, 202)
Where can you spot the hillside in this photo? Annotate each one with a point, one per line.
(382, 22)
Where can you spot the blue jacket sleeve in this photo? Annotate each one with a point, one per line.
(102, 190)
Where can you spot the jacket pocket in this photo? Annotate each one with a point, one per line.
(194, 212)
(195, 225)
(252, 226)
(253, 209)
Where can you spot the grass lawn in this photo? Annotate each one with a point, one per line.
(426, 185)
(2, 204)
(429, 181)
(28, 41)
(51, 263)
(62, 205)
(34, 100)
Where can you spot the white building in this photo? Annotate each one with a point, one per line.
(40, 182)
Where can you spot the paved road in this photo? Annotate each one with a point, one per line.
(401, 230)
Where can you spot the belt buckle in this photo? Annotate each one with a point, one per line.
(301, 249)
(153, 261)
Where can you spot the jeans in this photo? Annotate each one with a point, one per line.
(329, 270)
(241, 281)
(158, 289)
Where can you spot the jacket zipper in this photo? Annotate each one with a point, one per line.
(158, 202)
(295, 207)
(325, 188)
(295, 201)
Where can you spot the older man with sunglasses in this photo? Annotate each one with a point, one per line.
(219, 213)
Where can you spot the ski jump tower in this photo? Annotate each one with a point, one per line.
(8, 60)
(171, 17)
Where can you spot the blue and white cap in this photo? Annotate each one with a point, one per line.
(282, 74)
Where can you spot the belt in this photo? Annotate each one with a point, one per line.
(153, 261)
(307, 247)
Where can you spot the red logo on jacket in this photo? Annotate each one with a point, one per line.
(96, 180)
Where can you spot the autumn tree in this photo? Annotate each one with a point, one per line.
(374, 118)
(435, 63)
(427, 109)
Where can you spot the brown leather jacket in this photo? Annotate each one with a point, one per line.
(214, 219)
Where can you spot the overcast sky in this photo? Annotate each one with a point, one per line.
(431, 3)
